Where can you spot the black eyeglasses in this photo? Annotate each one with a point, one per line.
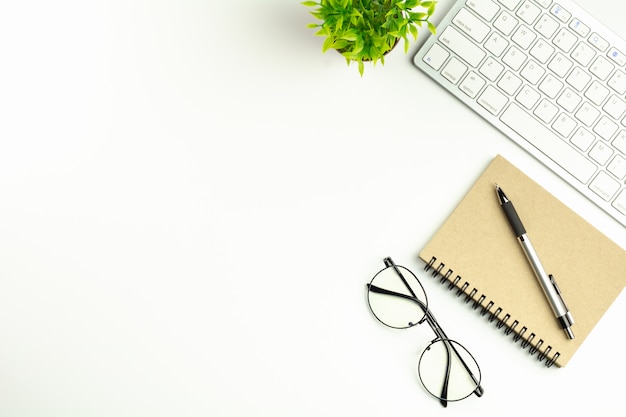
(446, 369)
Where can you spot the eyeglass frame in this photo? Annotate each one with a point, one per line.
(432, 322)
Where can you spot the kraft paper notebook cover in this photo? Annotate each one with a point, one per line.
(476, 253)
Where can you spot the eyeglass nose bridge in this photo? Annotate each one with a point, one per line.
(432, 322)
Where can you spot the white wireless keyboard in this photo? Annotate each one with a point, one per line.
(549, 76)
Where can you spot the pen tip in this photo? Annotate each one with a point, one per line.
(501, 196)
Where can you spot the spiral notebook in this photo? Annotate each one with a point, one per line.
(476, 254)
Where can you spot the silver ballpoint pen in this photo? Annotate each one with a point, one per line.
(548, 284)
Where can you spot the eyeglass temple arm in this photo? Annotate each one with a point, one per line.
(390, 263)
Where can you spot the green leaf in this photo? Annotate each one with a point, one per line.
(328, 43)
(432, 28)
(350, 35)
(355, 13)
(358, 46)
(317, 15)
(418, 16)
(310, 3)
(361, 67)
(339, 44)
(322, 32)
(339, 23)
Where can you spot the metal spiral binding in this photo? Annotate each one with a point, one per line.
(500, 322)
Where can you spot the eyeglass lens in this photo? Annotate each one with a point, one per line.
(397, 298)
(448, 371)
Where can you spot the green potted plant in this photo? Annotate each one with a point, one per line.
(366, 30)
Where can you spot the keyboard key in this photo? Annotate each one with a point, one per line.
(548, 143)
(524, 37)
(509, 83)
(587, 114)
(532, 72)
(462, 46)
(600, 153)
(620, 202)
(547, 26)
(472, 84)
(618, 82)
(496, 44)
(618, 57)
(579, 27)
(505, 23)
(471, 25)
(514, 58)
(620, 141)
(550, 86)
(491, 69)
(604, 186)
(492, 100)
(597, 93)
(561, 14)
(599, 42)
(605, 128)
(583, 54)
(546, 111)
(569, 100)
(528, 12)
(528, 97)
(560, 65)
(617, 167)
(615, 107)
(565, 40)
(454, 70)
(601, 68)
(542, 51)
(578, 79)
(564, 125)
(583, 139)
(486, 9)
(436, 56)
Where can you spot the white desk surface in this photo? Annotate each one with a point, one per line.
(194, 196)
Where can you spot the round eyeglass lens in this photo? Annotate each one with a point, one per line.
(448, 371)
(397, 298)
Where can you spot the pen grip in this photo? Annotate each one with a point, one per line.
(514, 220)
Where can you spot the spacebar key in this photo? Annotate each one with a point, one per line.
(548, 143)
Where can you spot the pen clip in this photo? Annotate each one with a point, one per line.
(558, 290)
